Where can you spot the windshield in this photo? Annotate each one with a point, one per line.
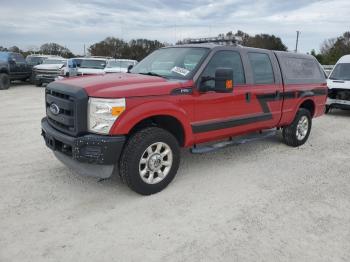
(54, 61)
(122, 64)
(4, 56)
(176, 62)
(96, 64)
(341, 72)
(34, 60)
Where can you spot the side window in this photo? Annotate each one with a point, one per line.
(19, 58)
(301, 70)
(262, 68)
(228, 59)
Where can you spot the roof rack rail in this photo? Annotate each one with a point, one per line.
(221, 40)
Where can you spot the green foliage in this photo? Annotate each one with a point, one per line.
(265, 41)
(55, 49)
(135, 49)
(333, 49)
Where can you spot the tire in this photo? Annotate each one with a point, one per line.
(136, 164)
(38, 83)
(297, 134)
(327, 109)
(4, 81)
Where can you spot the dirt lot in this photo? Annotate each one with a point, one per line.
(262, 201)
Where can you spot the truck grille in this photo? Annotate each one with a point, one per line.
(47, 72)
(72, 109)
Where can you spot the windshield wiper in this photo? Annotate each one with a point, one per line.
(152, 74)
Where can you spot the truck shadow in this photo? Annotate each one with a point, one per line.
(339, 112)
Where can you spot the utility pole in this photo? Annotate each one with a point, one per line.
(296, 44)
(84, 50)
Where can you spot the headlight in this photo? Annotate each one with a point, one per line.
(102, 113)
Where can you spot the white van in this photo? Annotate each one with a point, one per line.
(339, 85)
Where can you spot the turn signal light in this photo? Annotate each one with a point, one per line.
(117, 110)
(229, 84)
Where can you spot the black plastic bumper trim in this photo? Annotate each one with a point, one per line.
(91, 148)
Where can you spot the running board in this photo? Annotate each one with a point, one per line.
(234, 142)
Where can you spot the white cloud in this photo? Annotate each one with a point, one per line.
(75, 23)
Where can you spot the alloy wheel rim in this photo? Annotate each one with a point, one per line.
(302, 128)
(155, 163)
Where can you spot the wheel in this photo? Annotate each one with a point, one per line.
(38, 83)
(327, 109)
(32, 79)
(298, 132)
(150, 160)
(4, 81)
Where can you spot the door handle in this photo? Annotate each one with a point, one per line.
(248, 97)
(277, 95)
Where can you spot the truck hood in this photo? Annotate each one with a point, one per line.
(116, 70)
(125, 85)
(341, 84)
(49, 66)
(90, 71)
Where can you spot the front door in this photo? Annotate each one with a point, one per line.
(253, 104)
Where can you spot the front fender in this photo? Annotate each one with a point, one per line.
(135, 115)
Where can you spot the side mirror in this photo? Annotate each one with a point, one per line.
(223, 81)
(12, 60)
(129, 68)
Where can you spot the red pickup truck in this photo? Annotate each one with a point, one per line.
(182, 96)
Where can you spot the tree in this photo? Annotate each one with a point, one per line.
(136, 49)
(265, 41)
(334, 48)
(110, 46)
(259, 41)
(55, 49)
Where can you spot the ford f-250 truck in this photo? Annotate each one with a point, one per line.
(176, 97)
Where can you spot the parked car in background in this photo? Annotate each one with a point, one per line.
(327, 69)
(48, 70)
(119, 65)
(92, 65)
(71, 67)
(13, 66)
(339, 85)
(34, 60)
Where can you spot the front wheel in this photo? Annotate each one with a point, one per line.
(327, 109)
(38, 83)
(150, 160)
(297, 133)
(4, 81)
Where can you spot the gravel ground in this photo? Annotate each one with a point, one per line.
(261, 201)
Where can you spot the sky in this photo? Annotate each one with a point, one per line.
(28, 24)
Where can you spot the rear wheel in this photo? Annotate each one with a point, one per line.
(4, 81)
(297, 133)
(150, 160)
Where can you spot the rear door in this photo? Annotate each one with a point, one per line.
(18, 66)
(264, 93)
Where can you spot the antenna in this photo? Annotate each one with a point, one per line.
(297, 42)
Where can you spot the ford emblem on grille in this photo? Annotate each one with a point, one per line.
(54, 109)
